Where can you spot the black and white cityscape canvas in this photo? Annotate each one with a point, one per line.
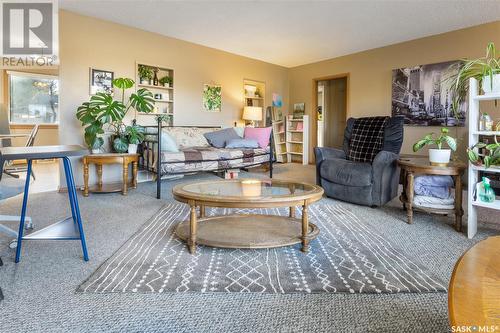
(422, 95)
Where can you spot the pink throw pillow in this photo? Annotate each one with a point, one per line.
(261, 135)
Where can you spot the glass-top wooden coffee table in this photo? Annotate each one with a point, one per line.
(247, 230)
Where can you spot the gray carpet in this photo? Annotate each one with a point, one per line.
(40, 290)
(346, 257)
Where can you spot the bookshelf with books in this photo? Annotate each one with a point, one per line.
(279, 137)
(297, 139)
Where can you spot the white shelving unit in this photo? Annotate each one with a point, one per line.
(474, 133)
(163, 105)
(297, 139)
(279, 141)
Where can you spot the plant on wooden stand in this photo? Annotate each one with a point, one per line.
(103, 111)
(440, 156)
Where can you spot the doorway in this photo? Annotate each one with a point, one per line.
(331, 110)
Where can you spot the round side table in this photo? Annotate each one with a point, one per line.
(421, 166)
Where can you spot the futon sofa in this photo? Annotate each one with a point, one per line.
(195, 154)
(365, 183)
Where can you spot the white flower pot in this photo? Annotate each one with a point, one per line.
(439, 157)
(132, 149)
(486, 84)
(95, 151)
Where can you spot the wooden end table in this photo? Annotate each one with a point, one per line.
(474, 293)
(421, 166)
(113, 158)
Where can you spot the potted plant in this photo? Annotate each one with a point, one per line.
(166, 81)
(490, 155)
(485, 69)
(135, 135)
(145, 74)
(103, 111)
(440, 156)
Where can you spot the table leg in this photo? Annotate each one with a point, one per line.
(85, 178)
(23, 213)
(125, 178)
(72, 195)
(409, 196)
(192, 229)
(202, 211)
(458, 203)
(99, 175)
(292, 212)
(305, 228)
(134, 174)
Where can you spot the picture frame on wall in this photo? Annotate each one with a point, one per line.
(212, 97)
(299, 110)
(277, 114)
(423, 95)
(100, 81)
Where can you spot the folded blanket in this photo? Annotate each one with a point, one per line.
(433, 186)
(432, 202)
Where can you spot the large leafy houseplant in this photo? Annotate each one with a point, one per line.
(102, 110)
(483, 69)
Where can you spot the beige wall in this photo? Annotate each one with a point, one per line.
(88, 42)
(370, 73)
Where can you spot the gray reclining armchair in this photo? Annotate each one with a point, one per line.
(370, 183)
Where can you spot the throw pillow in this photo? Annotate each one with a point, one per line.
(240, 131)
(218, 139)
(261, 134)
(168, 143)
(242, 143)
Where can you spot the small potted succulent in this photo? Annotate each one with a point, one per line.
(166, 81)
(135, 135)
(145, 74)
(440, 156)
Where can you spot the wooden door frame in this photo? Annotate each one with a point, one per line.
(314, 124)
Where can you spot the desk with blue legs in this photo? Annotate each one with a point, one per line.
(70, 228)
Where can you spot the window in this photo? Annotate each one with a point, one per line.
(33, 98)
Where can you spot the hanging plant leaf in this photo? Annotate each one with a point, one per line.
(143, 101)
(123, 83)
(120, 144)
(109, 110)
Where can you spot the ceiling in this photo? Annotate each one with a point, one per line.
(292, 33)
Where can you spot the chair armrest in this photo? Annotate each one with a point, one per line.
(385, 176)
(325, 153)
(13, 136)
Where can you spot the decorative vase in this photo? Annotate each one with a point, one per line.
(155, 78)
(487, 86)
(132, 148)
(439, 157)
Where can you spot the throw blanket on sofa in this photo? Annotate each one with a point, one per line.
(367, 138)
(197, 159)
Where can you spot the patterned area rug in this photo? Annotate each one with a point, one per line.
(346, 257)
